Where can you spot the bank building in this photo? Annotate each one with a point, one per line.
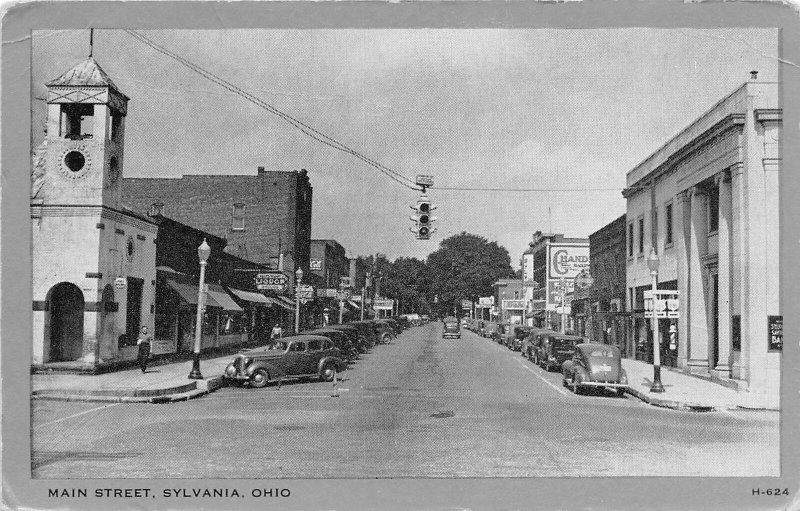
(707, 203)
(93, 260)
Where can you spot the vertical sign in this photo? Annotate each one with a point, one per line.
(775, 331)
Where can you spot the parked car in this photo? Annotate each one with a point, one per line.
(356, 337)
(518, 333)
(339, 338)
(366, 329)
(556, 348)
(503, 334)
(384, 330)
(595, 365)
(295, 356)
(531, 342)
(489, 330)
(451, 328)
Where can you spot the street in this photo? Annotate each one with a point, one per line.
(421, 406)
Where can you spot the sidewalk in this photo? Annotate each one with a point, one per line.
(160, 384)
(684, 392)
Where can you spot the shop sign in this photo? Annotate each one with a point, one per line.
(271, 281)
(775, 330)
(666, 304)
(383, 304)
(513, 304)
(315, 264)
(554, 292)
(305, 293)
(568, 261)
(344, 295)
(486, 300)
(119, 283)
(466, 304)
(345, 282)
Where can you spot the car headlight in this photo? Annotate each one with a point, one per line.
(230, 371)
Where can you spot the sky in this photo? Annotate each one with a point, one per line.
(541, 109)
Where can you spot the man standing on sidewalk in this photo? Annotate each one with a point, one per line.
(276, 334)
(144, 349)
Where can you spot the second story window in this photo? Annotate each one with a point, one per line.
(630, 240)
(668, 224)
(641, 235)
(713, 209)
(237, 220)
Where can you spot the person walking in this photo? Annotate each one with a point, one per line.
(276, 334)
(144, 349)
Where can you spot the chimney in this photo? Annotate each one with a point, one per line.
(260, 171)
(754, 75)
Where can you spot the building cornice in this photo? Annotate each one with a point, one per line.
(84, 210)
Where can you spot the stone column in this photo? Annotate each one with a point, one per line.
(697, 303)
(739, 246)
(682, 219)
(723, 367)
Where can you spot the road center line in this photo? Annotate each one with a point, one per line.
(62, 419)
(559, 389)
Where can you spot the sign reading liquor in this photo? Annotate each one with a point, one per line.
(567, 260)
(272, 281)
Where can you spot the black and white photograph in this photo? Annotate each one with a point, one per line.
(414, 253)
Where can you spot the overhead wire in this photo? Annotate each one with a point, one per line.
(301, 126)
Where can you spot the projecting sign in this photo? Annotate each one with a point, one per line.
(775, 326)
(305, 293)
(486, 300)
(513, 304)
(344, 294)
(567, 260)
(466, 304)
(315, 264)
(271, 281)
(383, 304)
(424, 180)
(666, 304)
(554, 292)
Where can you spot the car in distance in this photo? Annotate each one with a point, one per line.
(451, 328)
(518, 333)
(531, 342)
(340, 339)
(295, 356)
(594, 365)
(556, 348)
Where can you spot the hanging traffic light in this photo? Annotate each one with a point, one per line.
(423, 218)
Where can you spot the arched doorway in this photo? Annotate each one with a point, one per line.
(66, 322)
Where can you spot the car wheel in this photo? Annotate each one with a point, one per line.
(259, 379)
(328, 371)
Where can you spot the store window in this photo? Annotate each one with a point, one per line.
(668, 224)
(237, 220)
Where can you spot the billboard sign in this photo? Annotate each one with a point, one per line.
(315, 264)
(567, 260)
(383, 304)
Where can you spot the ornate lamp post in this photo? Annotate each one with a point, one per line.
(203, 251)
(652, 264)
(299, 275)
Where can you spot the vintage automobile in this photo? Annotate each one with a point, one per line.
(339, 338)
(554, 349)
(595, 365)
(355, 336)
(367, 330)
(518, 333)
(531, 342)
(385, 330)
(291, 357)
(489, 330)
(451, 329)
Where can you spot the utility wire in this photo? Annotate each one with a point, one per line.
(301, 126)
(528, 189)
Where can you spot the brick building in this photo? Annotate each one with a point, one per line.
(328, 261)
(261, 216)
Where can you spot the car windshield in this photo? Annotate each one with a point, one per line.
(280, 345)
(602, 354)
(564, 343)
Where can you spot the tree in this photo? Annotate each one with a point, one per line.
(465, 267)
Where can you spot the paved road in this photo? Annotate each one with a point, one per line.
(420, 407)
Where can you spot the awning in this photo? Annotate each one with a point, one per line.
(249, 296)
(354, 305)
(535, 314)
(187, 292)
(287, 301)
(217, 297)
(280, 303)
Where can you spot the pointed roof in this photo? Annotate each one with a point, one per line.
(86, 74)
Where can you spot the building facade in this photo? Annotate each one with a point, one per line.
(509, 297)
(551, 260)
(261, 216)
(328, 261)
(707, 202)
(93, 260)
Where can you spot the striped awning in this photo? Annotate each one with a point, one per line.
(217, 297)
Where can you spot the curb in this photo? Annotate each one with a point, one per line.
(674, 405)
(168, 396)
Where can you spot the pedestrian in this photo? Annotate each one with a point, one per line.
(276, 334)
(144, 349)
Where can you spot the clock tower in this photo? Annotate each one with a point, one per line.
(85, 138)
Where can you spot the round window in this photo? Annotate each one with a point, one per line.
(74, 160)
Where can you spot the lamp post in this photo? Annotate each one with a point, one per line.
(367, 277)
(563, 283)
(203, 251)
(652, 264)
(299, 275)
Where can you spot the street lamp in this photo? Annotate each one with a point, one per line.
(299, 275)
(652, 264)
(563, 284)
(367, 277)
(203, 251)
